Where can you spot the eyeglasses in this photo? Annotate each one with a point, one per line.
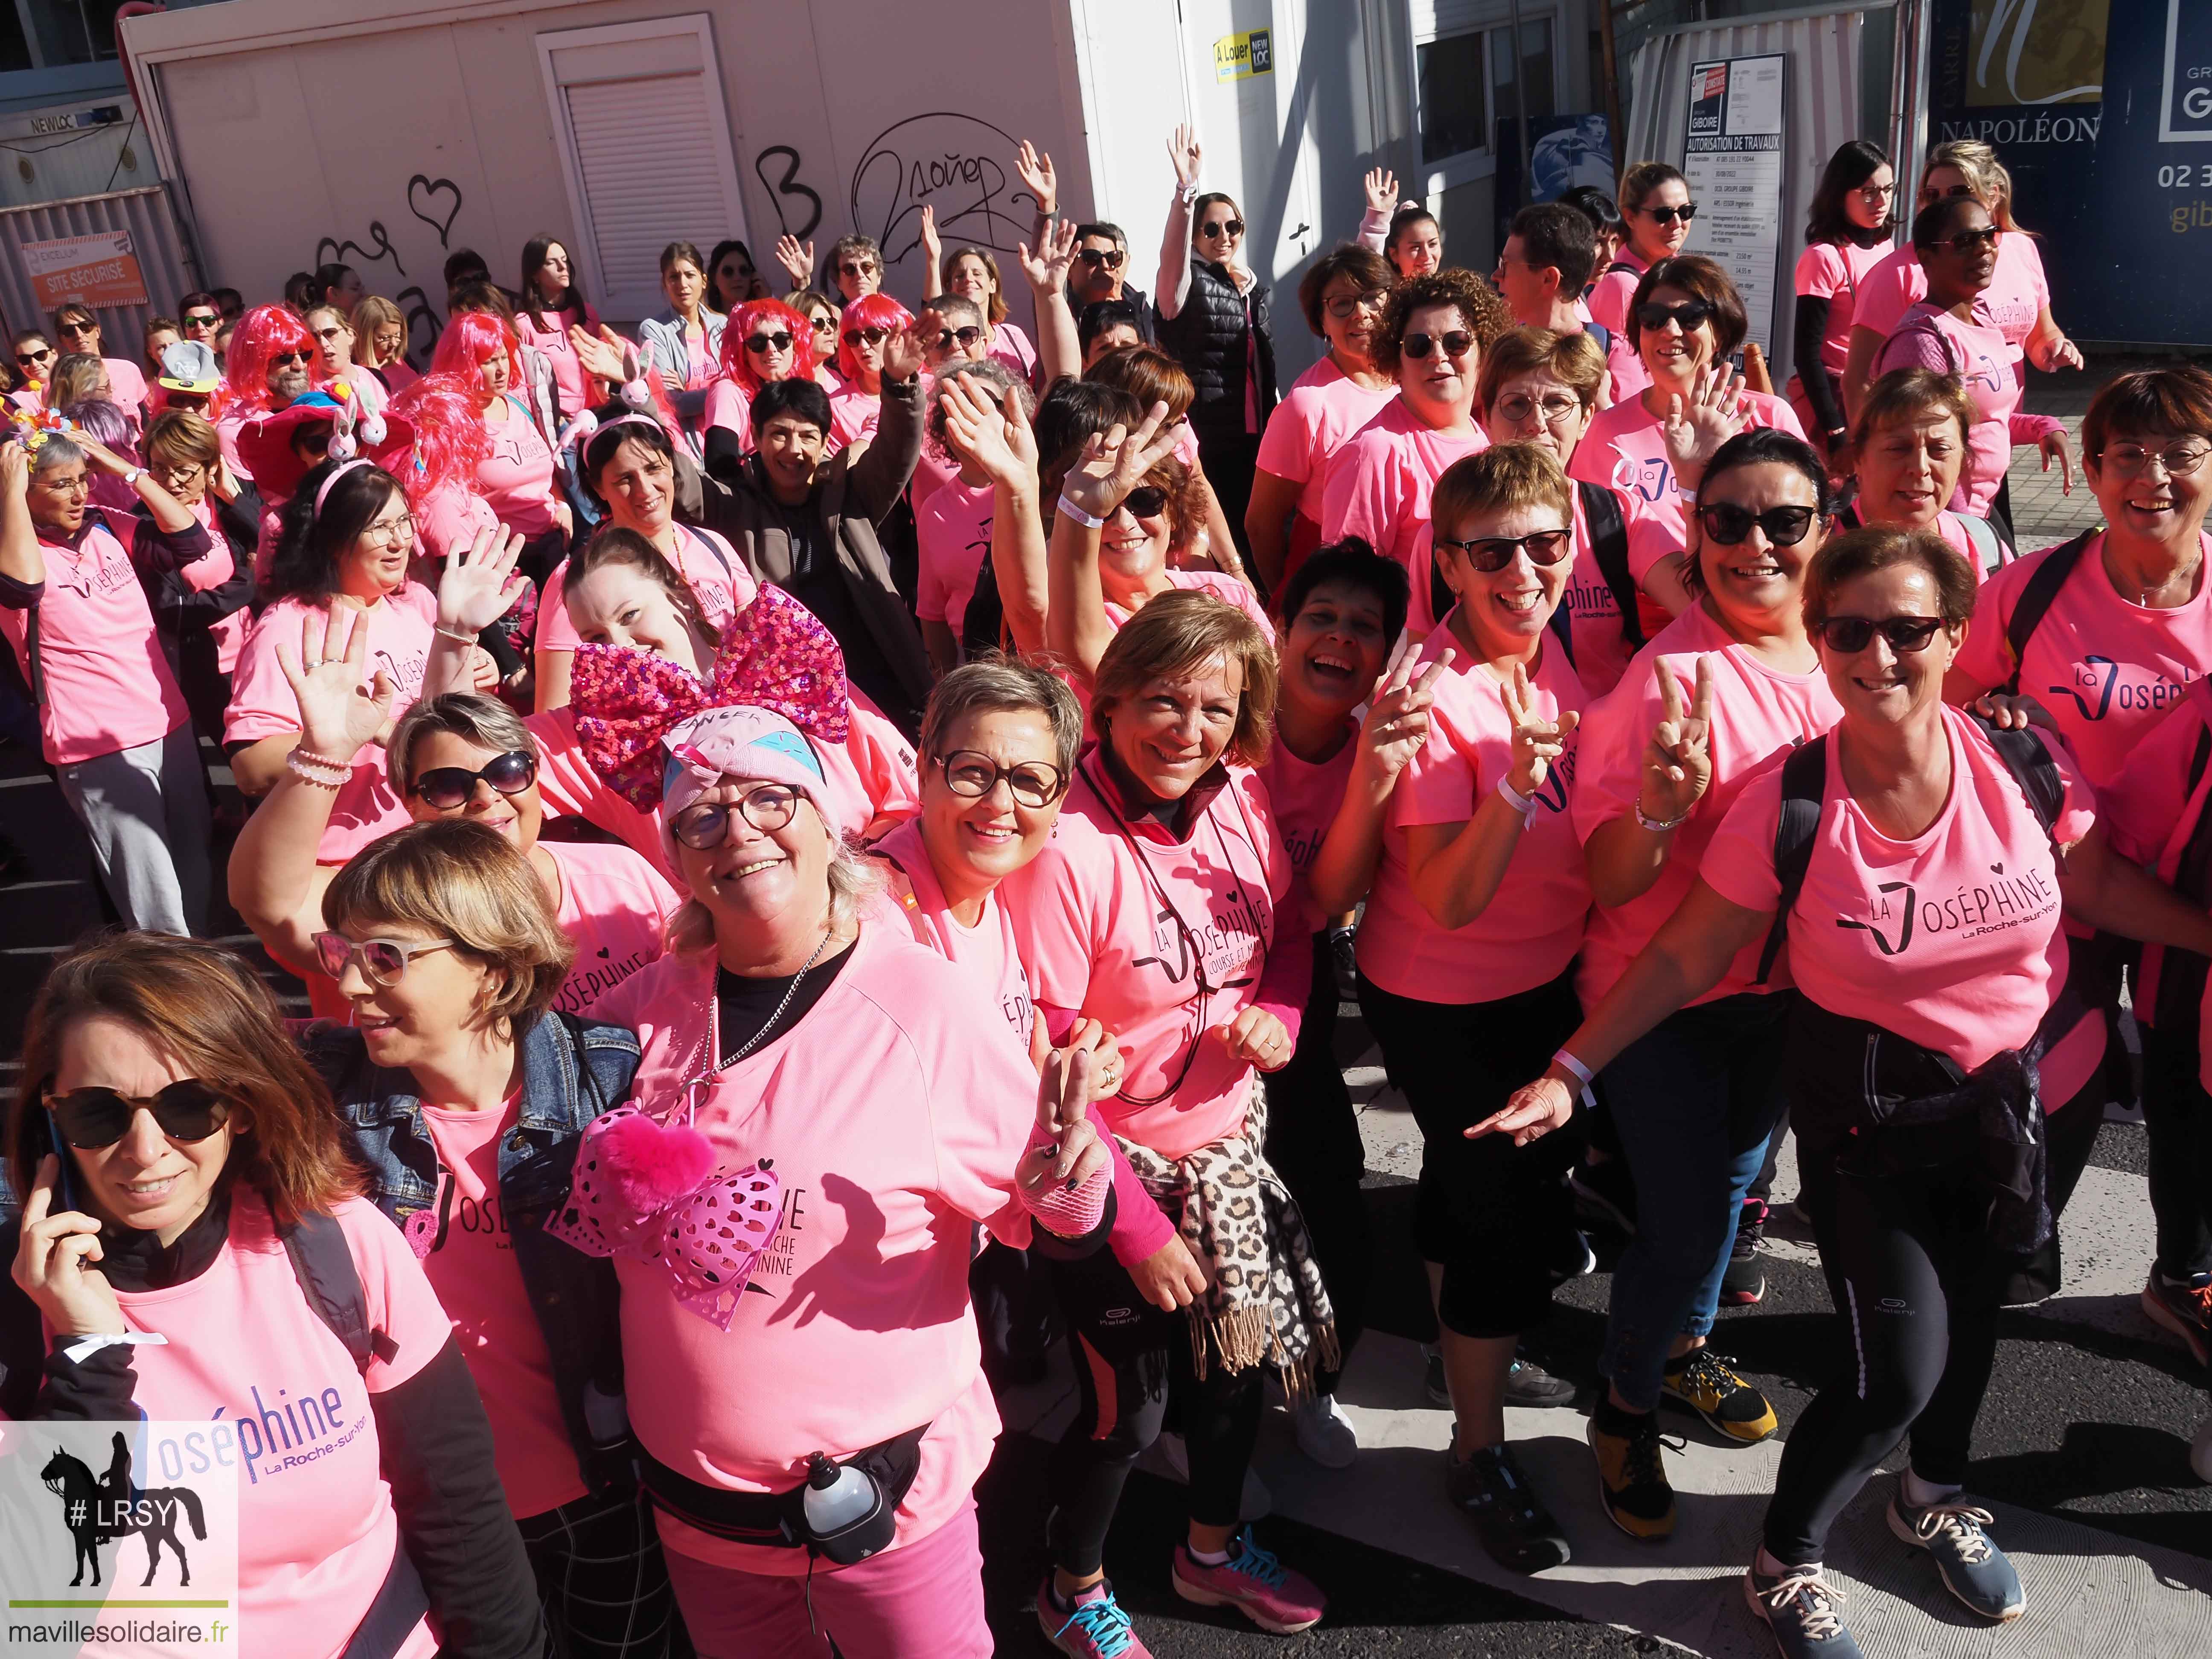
(1928, 196)
(858, 268)
(446, 787)
(767, 809)
(1457, 343)
(1557, 408)
(1873, 194)
(326, 335)
(1785, 526)
(382, 960)
(277, 359)
(389, 532)
(202, 319)
(1145, 501)
(873, 336)
(95, 1117)
(1969, 241)
(760, 344)
(1690, 315)
(1110, 257)
(32, 359)
(1342, 305)
(1667, 215)
(1491, 554)
(967, 337)
(77, 328)
(2179, 459)
(175, 475)
(1849, 635)
(1033, 783)
(1223, 228)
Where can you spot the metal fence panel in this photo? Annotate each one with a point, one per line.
(155, 237)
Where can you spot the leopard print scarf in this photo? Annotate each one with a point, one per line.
(1264, 1302)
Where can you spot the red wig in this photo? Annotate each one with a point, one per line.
(737, 361)
(869, 311)
(451, 439)
(470, 339)
(262, 333)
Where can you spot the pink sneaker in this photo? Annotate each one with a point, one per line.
(1096, 1628)
(1257, 1584)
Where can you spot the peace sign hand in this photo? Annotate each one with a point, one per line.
(1073, 1152)
(1678, 761)
(1397, 724)
(1695, 428)
(339, 714)
(1538, 744)
(1115, 462)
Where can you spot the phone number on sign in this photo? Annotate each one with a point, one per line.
(2185, 176)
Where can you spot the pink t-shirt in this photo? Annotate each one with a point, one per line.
(895, 1113)
(1759, 712)
(1609, 298)
(853, 414)
(1118, 921)
(2151, 812)
(1950, 939)
(517, 478)
(1218, 583)
(1623, 448)
(953, 532)
(448, 519)
(1533, 926)
(697, 364)
(1380, 482)
(711, 566)
(108, 686)
(1324, 407)
(1832, 271)
(615, 906)
(1010, 346)
(284, 1405)
(470, 1260)
(126, 387)
(2107, 669)
(2016, 296)
(571, 385)
(1306, 796)
(989, 949)
(730, 406)
(261, 704)
(570, 788)
(1975, 352)
(212, 569)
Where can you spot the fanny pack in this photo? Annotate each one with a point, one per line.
(777, 1520)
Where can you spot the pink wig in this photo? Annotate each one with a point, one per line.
(262, 333)
(738, 362)
(451, 439)
(470, 339)
(869, 311)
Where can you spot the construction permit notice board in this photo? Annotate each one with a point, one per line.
(1733, 160)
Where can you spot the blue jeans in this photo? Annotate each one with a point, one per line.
(1694, 1101)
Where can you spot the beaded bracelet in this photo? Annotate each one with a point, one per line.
(321, 773)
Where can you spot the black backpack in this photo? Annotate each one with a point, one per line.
(1804, 789)
(1609, 533)
(2037, 595)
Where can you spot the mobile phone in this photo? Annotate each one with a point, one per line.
(67, 1196)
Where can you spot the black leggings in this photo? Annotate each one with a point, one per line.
(1128, 1356)
(1313, 1140)
(2178, 1114)
(603, 1580)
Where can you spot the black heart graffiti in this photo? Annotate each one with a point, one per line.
(789, 185)
(331, 251)
(422, 323)
(429, 189)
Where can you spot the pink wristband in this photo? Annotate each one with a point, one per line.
(1073, 1214)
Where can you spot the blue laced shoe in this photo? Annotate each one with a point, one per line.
(1096, 1628)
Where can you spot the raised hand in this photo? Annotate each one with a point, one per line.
(932, 248)
(54, 1259)
(1034, 168)
(1382, 187)
(1678, 761)
(904, 355)
(342, 709)
(1696, 427)
(480, 584)
(1537, 743)
(1258, 1038)
(1046, 269)
(797, 258)
(15, 469)
(1074, 1153)
(1115, 462)
(1183, 151)
(1532, 1113)
(1397, 724)
(603, 356)
(996, 437)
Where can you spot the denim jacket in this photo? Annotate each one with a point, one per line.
(573, 1295)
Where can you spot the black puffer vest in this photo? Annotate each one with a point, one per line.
(1206, 337)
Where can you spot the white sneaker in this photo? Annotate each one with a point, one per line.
(1325, 1433)
(2200, 1452)
(1168, 1456)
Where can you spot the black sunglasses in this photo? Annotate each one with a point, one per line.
(27, 358)
(872, 336)
(91, 1118)
(767, 809)
(1489, 554)
(1689, 315)
(1146, 501)
(77, 328)
(1110, 257)
(1966, 241)
(967, 337)
(970, 772)
(761, 345)
(282, 358)
(448, 786)
(1667, 215)
(1223, 228)
(1728, 524)
(1849, 635)
(1457, 343)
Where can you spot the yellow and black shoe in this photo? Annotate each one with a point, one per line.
(1630, 1481)
(1701, 1380)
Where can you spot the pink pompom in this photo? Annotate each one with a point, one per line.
(650, 1164)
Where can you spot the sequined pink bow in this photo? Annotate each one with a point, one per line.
(775, 655)
(708, 1233)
